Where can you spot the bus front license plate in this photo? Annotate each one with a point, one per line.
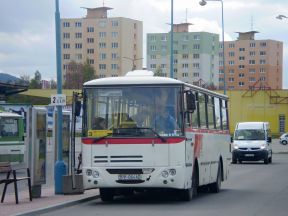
(129, 177)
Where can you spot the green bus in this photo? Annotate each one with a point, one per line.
(12, 145)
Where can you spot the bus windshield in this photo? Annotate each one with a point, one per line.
(131, 111)
(9, 127)
(251, 134)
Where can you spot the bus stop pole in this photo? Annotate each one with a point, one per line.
(60, 167)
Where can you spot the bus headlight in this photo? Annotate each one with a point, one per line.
(165, 174)
(88, 172)
(172, 172)
(95, 174)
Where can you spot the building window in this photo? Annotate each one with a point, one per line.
(102, 34)
(196, 74)
(90, 40)
(102, 66)
(186, 65)
(196, 37)
(252, 70)
(175, 61)
(66, 35)
(78, 35)
(102, 45)
(231, 79)
(66, 24)
(78, 46)
(102, 23)
(231, 71)
(252, 45)
(241, 66)
(153, 48)
(252, 62)
(221, 71)
(90, 61)
(231, 62)
(66, 56)
(114, 23)
(152, 56)
(163, 66)
(231, 45)
(252, 79)
(90, 51)
(220, 63)
(163, 37)
(66, 46)
(241, 49)
(184, 74)
(196, 56)
(90, 29)
(114, 66)
(252, 53)
(114, 45)
(221, 79)
(114, 56)
(196, 65)
(262, 78)
(241, 58)
(185, 56)
(196, 46)
(262, 70)
(262, 61)
(114, 34)
(263, 44)
(79, 56)
(185, 47)
(262, 53)
(153, 38)
(102, 56)
(241, 75)
(241, 83)
(78, 24)
(163, 48)
(231, 54)
(153, 66)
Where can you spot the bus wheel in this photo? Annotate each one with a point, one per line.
(106, 194)
(188, 194)
(216, 186)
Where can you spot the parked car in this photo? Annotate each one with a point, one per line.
(284, 139)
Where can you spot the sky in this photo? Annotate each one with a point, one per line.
(27, 27)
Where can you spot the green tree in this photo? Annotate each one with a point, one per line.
(35, 83)
(89, 72)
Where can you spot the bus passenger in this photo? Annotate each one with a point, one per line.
(164, 122)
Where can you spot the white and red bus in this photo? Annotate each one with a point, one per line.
(144, 132)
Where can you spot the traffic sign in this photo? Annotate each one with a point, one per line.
(58, 100)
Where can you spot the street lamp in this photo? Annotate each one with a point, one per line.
(281, 17)
(171, 42)
(203, 3)
(60, 167)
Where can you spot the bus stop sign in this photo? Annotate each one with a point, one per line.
(58, 100)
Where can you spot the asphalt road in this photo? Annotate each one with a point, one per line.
(253, 189)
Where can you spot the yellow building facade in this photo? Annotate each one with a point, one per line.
(260, 105)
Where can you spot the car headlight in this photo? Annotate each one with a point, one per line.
(264, 146)
(165, 174)
(235, 146)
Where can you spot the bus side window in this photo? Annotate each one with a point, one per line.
(217, 113)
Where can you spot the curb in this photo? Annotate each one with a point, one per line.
(57, 206)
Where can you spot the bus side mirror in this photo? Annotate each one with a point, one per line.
(77, 108)
(231, 139)
(190, 101)
(269, 140)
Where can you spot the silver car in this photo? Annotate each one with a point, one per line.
(284, 139)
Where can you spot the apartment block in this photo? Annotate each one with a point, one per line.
(195, 54)
(112, 45)
(251, 64)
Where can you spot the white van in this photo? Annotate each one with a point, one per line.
(252, 142)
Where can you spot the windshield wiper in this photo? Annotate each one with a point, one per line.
(151, 129)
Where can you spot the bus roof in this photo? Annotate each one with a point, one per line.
(9, 114)
(144, 77)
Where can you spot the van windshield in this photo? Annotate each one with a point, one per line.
(249, 134)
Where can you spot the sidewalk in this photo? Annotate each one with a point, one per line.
(47, 202)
